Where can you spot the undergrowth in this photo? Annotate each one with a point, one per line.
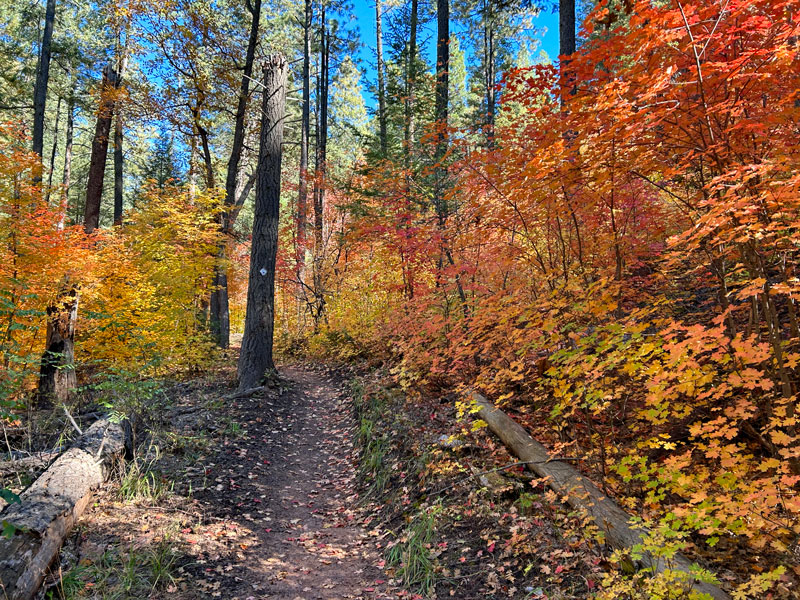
(457, 516)
(120, 574)
(411, 553)
(143, 482)
(372, 444)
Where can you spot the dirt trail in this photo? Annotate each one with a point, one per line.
(289, 483)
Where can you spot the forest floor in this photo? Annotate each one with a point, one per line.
(248, 498)
(322, 486)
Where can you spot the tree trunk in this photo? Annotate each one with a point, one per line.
(442, 96)
(42, 78)
(411, 72)
(207, 160)
(302, 194)
(27, 464)
(566, 44)
(97, 163)
(381, 83)
(321, 174)
(489, 70)
(256, 355)
(66, 180)
(119, 181)
(220, 312)
(204, 143)
(53, 153)
(118, 173)
(57, 372)
(440, 168)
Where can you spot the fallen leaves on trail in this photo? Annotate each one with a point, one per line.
(265, 509)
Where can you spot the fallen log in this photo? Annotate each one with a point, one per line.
(582, 494)
(27, 463)
(50, 507)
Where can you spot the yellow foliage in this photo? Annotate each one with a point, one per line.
(145, 307)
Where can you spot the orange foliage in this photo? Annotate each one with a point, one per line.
(36, 257)
(142, 285)
(629, 260)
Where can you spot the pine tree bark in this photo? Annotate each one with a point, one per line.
(566, 42)
(119, 185)
(256, 355)
(220, 310)
(441, 109)
(53, 153)
(321, 174)
(42, 78)
(381, 82)
(97, 163)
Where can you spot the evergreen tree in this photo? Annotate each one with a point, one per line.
(162, 166)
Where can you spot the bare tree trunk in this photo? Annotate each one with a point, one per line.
(489, 70)
(204, 143)
(42, 78)
(56, 368)
(57, 371)
(66, 180)
(256, 355)
(442, 96)
(585, 496)
(321, 174)
(220, 310)
(302, 194)
(381, 82)
(119, 181)
(53, 153)
(118, 170)
(241, 108)
(97, 163)
(207, 160)
(51, 506)
(440, 169)
(411, 73)
(566, 44)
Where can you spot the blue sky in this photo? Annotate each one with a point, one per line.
(546, 22)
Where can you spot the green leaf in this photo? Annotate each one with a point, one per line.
(8, 529)
(9, 496)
